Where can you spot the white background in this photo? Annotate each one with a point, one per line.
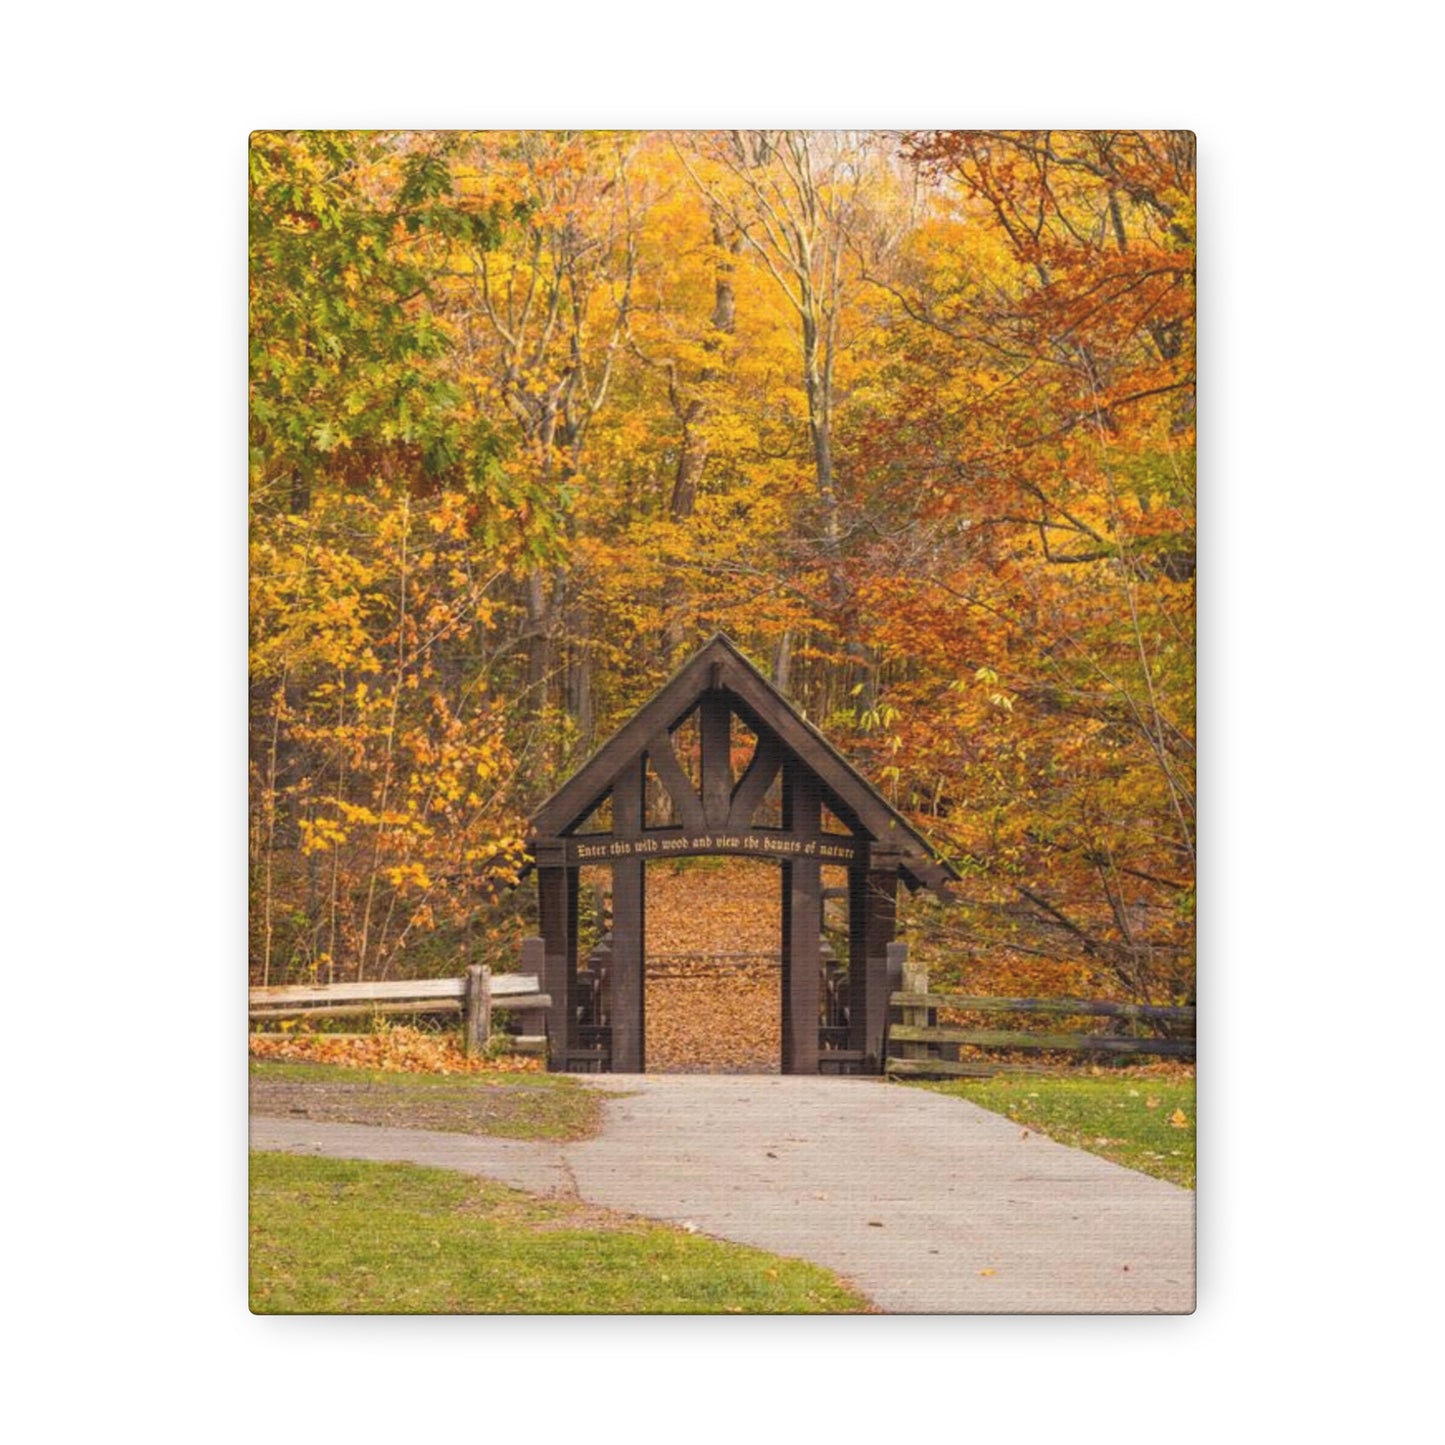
(123, 772)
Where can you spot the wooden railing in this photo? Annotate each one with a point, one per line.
(919, 1046)
(472, 996)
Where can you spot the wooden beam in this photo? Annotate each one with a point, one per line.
(715, 725)
(819, 755)
(671, 703)
(687, 806)
(753, 788)
(875, 896)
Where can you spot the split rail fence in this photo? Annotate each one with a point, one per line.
(473, 997)
(919, 1046)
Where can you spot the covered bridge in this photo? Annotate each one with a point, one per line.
(792, 799)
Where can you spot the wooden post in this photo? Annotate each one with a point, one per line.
(478, 1008)
(628, 922)
(534, 962)
(715, 727)
(872, 903)
(560, 953)
(802, 930)
(914, 980)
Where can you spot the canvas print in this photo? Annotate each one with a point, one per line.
(722, 800)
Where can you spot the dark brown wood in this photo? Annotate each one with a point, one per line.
(1066, 1007)
(879, 849)
(873, 896)
(666, 708)
(753, 787)
(686, 805)
(478, 1008)
(719, 669)
(858, 959)
(715, 725)
(559, 959)
(628, 922)
(875, 814)
(774, 843)
(803, 914)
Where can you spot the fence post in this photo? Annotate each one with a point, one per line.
(915, 980)
(478, 1008)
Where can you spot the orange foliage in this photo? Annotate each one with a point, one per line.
(392, 1050)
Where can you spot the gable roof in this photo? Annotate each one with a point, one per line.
(719, 666)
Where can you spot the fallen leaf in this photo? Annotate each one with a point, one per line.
(875, 1224)
(1151, 1102)
(988, 1271)
(1179, 1120)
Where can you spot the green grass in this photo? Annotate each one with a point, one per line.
(512, 1106)
(342, 1237)
(1108, 1117)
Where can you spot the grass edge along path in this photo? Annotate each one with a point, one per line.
(1143, 1123)
(503, 1105)
(336, 1236)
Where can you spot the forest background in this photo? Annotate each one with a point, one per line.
(909, 416)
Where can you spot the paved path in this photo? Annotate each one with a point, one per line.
(927, 1203)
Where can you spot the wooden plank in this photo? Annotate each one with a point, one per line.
(687, 806)
(361, 1009)
(344, 992)
(970, 1003)
(523, 1002)
(510, 983)
(1013, 1039)
(752, 789)
(478, 1009)
(715, 726)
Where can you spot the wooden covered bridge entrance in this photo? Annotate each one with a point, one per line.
(665, 785)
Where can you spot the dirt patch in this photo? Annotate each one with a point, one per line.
(515, 1111)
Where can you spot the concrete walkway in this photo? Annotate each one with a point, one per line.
(928, 1204)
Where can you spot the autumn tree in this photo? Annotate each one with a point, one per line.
(382, 525)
